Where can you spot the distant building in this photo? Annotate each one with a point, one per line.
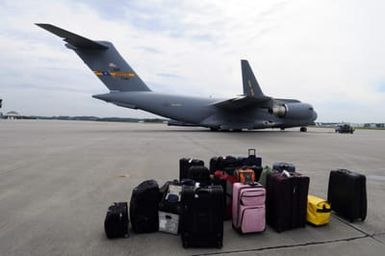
(12, 115)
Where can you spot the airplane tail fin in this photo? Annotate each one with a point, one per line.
(250, 84)
(103, 59)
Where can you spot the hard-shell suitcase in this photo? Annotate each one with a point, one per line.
(202, 216)
(200, 174)
(347, 194)
(249, 207)
(282, 166)
(251, 160)
(144, 207)
(318, 211)
(245, 175)
(286, 202)
(185, 164)
(116, 221)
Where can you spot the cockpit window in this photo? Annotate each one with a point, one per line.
(311, 109)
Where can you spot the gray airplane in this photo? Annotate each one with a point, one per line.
(252, 110)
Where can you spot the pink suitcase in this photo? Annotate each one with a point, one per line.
(249, 207)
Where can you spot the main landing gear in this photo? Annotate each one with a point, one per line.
(303, 129)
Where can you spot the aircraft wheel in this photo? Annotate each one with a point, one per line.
(303, 129)
(213, 129)
(282, 129)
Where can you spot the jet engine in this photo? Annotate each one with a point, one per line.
(294, 111)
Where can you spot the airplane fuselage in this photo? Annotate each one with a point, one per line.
(202, 111)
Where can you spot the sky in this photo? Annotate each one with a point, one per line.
(328, 53)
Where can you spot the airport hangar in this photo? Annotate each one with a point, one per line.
(59, 177)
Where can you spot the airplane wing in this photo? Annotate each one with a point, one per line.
(284, 101)
(243, 101)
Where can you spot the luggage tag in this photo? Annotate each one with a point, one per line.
(285, 173)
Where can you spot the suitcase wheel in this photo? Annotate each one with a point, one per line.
(185, 244)
(220, 244)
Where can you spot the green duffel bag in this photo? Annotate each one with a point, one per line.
(265, 173)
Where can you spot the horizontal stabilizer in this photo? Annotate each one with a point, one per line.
(73, 39)
(244, 101)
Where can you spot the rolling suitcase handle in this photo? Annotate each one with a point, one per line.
(324, 209)
(254, 184)
(252, 152)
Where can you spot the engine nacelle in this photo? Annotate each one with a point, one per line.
(295, 111)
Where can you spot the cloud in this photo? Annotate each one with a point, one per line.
(327, 53)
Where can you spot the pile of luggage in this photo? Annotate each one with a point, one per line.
(238, 189)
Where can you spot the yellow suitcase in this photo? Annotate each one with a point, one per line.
(318, 211)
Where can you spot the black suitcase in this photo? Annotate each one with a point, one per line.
(281, 166)
(202, 216)
(347, 194)
(144, 207)
(200, 174)
(185, 164)
(116, 221)
(214, 164)
(286, 201)
(251, 159)
(229, 164)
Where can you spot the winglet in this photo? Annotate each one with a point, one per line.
(73, 39)
(250, 84)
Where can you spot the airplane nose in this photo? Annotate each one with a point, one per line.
(314, 115)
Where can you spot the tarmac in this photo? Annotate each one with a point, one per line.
(57, 179)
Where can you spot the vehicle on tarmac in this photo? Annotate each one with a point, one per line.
(344, 128)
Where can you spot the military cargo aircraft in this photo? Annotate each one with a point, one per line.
(252, 110)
